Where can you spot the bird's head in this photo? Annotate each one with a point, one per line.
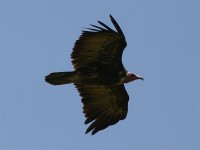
(131, 77)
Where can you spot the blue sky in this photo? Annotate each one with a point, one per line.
(36, 38)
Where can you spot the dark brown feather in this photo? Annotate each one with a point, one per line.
(99, 45)
(103, 105)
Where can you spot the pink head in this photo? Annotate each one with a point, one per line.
(131, 77)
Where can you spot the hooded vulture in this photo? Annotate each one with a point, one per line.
(99, 75)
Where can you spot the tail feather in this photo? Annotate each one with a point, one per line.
(59, 78)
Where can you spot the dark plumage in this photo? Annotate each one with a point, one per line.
(99, 75)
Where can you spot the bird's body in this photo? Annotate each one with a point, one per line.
(99, 75)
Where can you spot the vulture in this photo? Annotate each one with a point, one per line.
(99, 75)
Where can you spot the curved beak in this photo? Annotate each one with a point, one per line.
(139, 77)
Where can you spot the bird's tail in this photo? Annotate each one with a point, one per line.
(59, 78)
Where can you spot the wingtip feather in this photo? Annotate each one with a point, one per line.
(119, 30)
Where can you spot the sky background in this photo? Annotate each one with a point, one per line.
(36, 38)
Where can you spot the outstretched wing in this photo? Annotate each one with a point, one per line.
(103, 105)
(99, 44)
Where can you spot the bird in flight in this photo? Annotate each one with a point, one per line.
(99, 75)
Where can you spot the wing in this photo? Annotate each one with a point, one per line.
(99, 44)
(103, 105)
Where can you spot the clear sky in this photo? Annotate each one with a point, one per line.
(36, 38)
